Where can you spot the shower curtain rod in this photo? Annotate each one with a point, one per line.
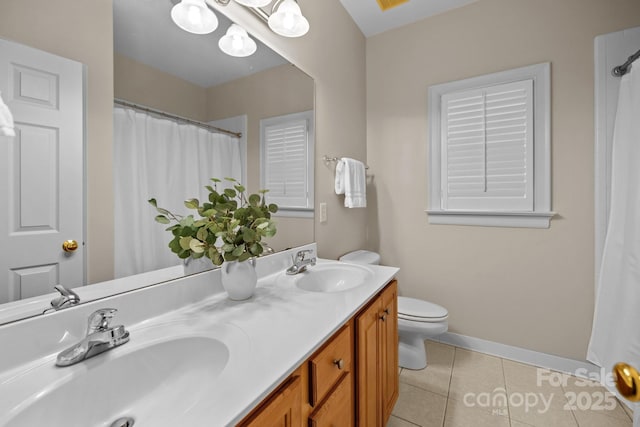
(174, 117)
(621, 70)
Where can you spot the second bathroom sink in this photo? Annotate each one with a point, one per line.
(333, 277)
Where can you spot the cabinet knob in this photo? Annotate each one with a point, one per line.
(383, 317)
(339, 363)
(386, 311)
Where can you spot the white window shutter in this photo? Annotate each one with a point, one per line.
(487, 148)
(286, 152)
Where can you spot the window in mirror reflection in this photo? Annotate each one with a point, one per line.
(286, 156)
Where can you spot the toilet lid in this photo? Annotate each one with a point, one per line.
(361, 257)
(420, 310)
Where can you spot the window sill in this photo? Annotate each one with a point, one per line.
(492, 219)
(294, 213)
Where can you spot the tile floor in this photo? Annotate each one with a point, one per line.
(462, 388)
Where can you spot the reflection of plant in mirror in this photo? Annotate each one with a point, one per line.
(230, 228)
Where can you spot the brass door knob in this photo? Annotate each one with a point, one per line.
(627, 381)
(69, 245)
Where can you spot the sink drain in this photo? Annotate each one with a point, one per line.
(123, 422)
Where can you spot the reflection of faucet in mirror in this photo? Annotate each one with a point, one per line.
(66, 299)
(99, 338)
(301, 262)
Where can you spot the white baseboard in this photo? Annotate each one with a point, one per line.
(556, 363)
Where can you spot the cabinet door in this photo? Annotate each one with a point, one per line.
(389, 349)
(283, 409)
(368, 385)
(337, 409)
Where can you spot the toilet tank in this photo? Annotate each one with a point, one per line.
(361, 257)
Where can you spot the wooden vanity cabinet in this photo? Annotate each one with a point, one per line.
(351, 380)
(377, 359)
(283, 407)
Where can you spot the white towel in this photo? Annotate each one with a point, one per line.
(6, 119)
(339, 182)
(351, 180)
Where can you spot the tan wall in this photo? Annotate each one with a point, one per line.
(83, 31)
(144, 85)
(333, 54)
(523, 287)
(269, 93)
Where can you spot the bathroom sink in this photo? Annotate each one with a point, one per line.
(334, 277)
(158, 383)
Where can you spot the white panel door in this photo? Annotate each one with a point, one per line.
(41, 173)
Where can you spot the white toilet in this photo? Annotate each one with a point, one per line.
(417, 319)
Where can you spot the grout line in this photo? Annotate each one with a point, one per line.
(446, 406)
(504, 379)
(410, 422)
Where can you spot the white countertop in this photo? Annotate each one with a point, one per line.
(270, 335)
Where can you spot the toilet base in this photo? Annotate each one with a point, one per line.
(412, 354)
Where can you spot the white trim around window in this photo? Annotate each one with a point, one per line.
(286, 163)
(476, 116)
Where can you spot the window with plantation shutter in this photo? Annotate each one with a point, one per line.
(489, 151)
(287, 161)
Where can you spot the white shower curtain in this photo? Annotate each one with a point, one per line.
(616, 326)
(171, 162)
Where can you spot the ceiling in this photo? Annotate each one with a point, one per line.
(143, 30)
(372, 20)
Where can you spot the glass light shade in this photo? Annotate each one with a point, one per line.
(236, 42)
(254, 3)
(194, 16)
(288, 20)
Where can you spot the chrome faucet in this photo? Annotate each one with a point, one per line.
(301, 262)
(66, 299)
(99, 338)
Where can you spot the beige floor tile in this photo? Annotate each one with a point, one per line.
(515, 423)
(473, 363)
(437, 375)
(459, 414)
(589, 396)
(540, 406)
(477, 376)
(628, 410)
(420, 406)
(399, 422)
(599, 419)
(527, 376)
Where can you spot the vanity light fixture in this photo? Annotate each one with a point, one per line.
(236, 42)
(194, 16)
(287, 20)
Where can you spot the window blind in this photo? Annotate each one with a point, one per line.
(487, 148)
(286, 152)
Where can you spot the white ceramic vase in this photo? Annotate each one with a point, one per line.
(239, 279)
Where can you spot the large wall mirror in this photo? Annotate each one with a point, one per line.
(161, 67)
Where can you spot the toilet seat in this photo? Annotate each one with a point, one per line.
(416, 310)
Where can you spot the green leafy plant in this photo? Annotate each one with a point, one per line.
(229, 226)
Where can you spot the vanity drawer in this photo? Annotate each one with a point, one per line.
(337, 409)
(329, 364)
